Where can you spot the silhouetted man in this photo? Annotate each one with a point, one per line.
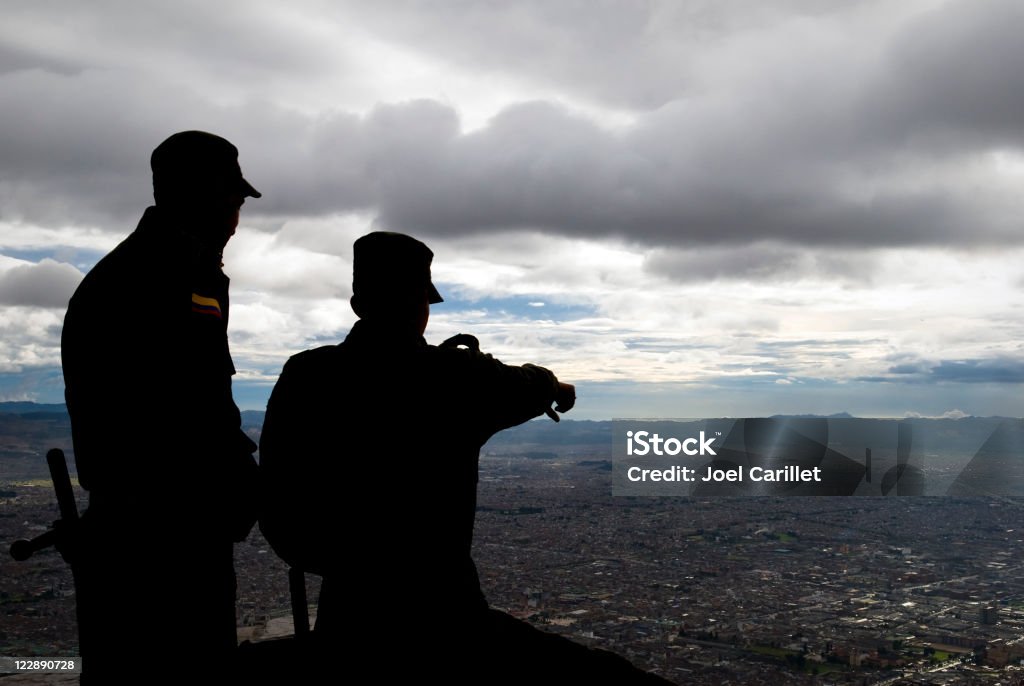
(369, 451)
(157, 436)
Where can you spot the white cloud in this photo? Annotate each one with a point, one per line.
(949, 414)
(29, 337)
(44, 284)
(23, 236)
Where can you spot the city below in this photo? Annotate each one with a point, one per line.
(718, 590)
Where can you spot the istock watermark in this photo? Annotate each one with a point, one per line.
(807, 456)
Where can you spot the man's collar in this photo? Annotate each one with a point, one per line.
(382, 334)
(160, 227)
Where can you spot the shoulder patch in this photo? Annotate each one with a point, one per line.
(204, 305)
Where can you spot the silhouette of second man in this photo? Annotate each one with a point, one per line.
(370, 452)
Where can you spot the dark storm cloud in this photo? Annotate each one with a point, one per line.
(20, 59)
(979, 371)
(758, 262)
(222, 40)
(69, 152)
(994, 370)
(907, 369)
(539, 166)
(46, 284)
(884, 145)
(856, 152)
(957, 71)
(89, 89)
(636, 54)
(958, 63)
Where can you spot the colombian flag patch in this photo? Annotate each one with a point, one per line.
(204, 305)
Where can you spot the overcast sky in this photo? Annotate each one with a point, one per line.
(688, 208)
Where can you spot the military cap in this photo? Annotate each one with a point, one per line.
(200, 163)
(388, 263)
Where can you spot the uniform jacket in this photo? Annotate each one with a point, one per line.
(369, 451)
(148, 379)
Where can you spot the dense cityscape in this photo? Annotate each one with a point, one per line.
(758, 590)
(750, 590)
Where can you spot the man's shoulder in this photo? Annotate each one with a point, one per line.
(307, 378)
(313, 360)
(111, 279)
(135, 259)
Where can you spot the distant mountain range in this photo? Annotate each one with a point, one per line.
(30, 408)
(965, 456)
(541, 432)
(28, 430)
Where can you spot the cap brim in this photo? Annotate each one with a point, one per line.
(248, 191)
(435, 297)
